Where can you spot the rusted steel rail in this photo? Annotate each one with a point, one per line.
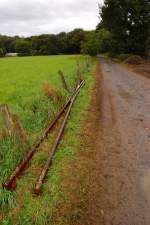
(10, 183)
(45, 169)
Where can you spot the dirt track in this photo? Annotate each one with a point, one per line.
(123, 150)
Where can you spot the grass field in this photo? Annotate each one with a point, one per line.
(21, 81)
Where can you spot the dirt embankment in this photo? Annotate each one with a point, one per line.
(139, 65)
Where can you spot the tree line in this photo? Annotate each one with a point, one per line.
(45, 44)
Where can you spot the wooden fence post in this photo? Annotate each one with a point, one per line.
(12, 125)
(63, 80)
(79, 76)
(7, 120)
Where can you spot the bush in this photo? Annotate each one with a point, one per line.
(123, 57)
(1, 52)
(105, 41)
(97, 42)
(23, 48)
(91, 45)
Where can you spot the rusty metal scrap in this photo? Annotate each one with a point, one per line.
(45, 169)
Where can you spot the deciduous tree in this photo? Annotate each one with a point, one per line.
(129, 23)
(23, 47)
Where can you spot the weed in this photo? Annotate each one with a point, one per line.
(7, 222)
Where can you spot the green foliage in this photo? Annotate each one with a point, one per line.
(128, 21)
(74, 40)
(7, 222)
(7, 198)
(105, 40)
(1, 52)
(8, 43)
(122, 57)
(45, 44)
(91, 45)
(97, 42)
(23, 48)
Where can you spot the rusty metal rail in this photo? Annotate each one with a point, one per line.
(52, 151)
(10, 183)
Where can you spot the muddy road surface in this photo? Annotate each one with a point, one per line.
(120, 186)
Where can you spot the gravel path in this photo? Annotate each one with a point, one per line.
(123, 150)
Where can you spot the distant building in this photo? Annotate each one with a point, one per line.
(11, 54)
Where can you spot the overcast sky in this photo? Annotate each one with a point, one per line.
(31, 17)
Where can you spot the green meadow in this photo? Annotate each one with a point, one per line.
(21, 87)
(21, 78)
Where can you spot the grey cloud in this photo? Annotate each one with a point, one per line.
(29, 17)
